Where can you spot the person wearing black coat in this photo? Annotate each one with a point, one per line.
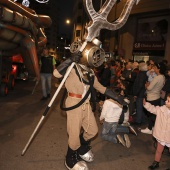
(131, 80)
(139, 93)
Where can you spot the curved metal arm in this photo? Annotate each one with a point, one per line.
(99, 19)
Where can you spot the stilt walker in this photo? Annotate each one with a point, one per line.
(81, 82)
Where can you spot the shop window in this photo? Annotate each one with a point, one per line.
(77, 33)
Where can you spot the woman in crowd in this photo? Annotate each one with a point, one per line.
(153, 90)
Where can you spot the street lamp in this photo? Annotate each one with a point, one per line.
(67, 21)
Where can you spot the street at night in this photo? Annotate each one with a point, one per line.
(21, 111)
(119, 49)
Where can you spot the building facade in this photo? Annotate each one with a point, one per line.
(146, 34)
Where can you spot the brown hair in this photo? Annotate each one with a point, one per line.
(168, 95)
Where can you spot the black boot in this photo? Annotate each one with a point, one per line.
(85, 151)
(85, 145)
(72, 158)
(154, 165)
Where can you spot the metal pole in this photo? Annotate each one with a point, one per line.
(47, 108)
(35, 86)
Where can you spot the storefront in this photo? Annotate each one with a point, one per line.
(150, 39)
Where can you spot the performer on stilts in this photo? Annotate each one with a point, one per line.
(80, 86)
(81, 82)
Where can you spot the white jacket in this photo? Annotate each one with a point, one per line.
(112, 110)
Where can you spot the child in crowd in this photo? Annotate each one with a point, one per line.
(150, 73)
(114, 125)
(161, 129)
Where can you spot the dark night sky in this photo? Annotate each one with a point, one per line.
(66, 7)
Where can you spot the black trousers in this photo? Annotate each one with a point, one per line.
(152, 117)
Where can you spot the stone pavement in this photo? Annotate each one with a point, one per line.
(20, 112)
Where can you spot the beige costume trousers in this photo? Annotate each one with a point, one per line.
(81, 117)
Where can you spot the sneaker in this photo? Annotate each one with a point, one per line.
(132, 130)
(120, 140)
(44, 98)
(127, 140)
(147, 131)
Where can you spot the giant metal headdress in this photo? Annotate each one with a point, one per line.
(92, 54)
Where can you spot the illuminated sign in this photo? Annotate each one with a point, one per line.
(149, 45)
(27, 2)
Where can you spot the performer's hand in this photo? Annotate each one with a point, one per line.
(122, 101)
(75, 57)
(113, 95)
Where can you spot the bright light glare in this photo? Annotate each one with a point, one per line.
(67, 21)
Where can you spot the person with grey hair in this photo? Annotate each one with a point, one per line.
(139, 93)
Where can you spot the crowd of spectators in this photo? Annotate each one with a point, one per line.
(138, 81)
(141, 80)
